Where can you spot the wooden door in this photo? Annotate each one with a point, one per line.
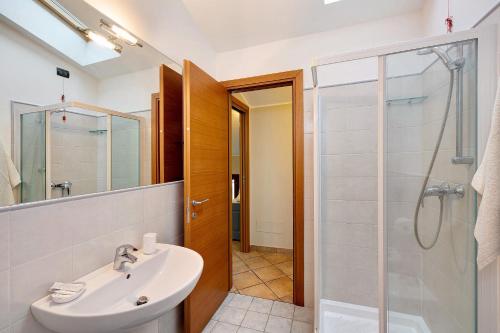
(206, 180)
(169, 127)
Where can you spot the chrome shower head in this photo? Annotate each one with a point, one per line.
(444, 57)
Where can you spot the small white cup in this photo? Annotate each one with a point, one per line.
(149, 243)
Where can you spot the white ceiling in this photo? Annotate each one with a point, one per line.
(266, 97)
(234, 24)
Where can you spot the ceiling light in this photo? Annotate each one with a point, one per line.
(327, 2)
(120, 33)
(103, 41)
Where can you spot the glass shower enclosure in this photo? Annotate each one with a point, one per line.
(75, 148)
(395, 152)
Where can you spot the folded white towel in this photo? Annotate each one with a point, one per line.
(486, 182)
(70, 287)
(66, 292)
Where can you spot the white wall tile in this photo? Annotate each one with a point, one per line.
(93, 218)
(95, 253)
(128, 209)
(30, 281)
(28, 324)
(40, 231)
(5, 240)
(4, 299)
(64, 241)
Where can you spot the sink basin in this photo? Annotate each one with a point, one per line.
(109, 303)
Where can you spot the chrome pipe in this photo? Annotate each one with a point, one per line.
(459, 96)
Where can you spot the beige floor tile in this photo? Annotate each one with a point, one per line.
(247, 255)
(264, 249)
(282, 286)
(260, 290)
(268, 273)
(282, 309)
(236, 258)
(276, 258)
(245, 280)
(286, 267)
(257, 262)
(301, 327)
(278, 325)
(287, 299)
(255, 320)
(240, 267)
(285, 251)
(303, 314)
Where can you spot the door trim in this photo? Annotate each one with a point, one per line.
(295, 80)
(155, 138)
(243, 109)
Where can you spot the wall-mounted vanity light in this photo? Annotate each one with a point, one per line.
(72, 21)
(103, 41)
(120, 33)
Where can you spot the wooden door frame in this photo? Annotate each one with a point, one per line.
(243, 109)
(295, 80)
(155, 144)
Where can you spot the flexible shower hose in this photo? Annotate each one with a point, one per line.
(427, 176)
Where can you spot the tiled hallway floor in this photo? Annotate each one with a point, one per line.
(263, 273)
(246, 314)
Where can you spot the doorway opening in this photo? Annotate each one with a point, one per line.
(266, 206)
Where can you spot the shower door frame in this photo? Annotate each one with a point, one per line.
(108, 113)
(486, 74)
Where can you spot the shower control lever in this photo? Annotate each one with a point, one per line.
(444, 189)
(65, 187)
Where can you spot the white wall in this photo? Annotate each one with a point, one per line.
(129, 92)
(271, 176)
(164, 24)
(298, 53)
(29, 75)
(466, 13)
(61, 241)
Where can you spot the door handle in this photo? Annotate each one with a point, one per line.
(198, 203)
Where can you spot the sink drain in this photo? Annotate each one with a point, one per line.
(142, 300)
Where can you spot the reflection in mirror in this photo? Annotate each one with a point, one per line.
(75, 103)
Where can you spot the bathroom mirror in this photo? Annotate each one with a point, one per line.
(78, 95)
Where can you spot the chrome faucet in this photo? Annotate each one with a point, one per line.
(122, 256)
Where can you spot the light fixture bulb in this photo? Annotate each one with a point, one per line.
(101, 40)
(327, 2)
(124, 34)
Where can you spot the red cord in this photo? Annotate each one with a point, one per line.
(449, 20)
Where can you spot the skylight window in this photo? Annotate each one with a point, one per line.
(32, 17)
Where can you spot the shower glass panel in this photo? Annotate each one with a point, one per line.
(429, 204)
(125, 153)
(32, 156)
(77, 131)
(348, 202)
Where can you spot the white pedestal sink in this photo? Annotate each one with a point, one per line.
(166, 278)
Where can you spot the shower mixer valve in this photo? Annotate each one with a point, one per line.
(444, 189)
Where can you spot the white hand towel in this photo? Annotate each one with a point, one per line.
(486, 182)
(9, 178)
